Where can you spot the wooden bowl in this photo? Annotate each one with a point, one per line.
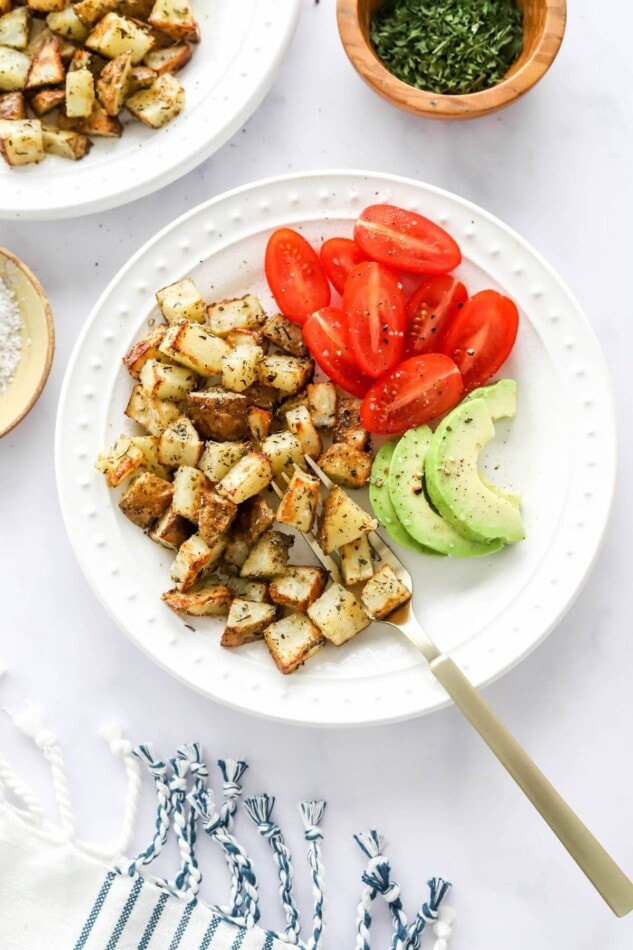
(543, 30)
(38, 342)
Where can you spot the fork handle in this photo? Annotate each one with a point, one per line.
(605, 875)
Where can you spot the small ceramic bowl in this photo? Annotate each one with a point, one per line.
(543, 30)
(38, 342)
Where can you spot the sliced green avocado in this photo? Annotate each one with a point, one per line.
(454, 483)
(501, 398)
(406, 490)
(381, 502)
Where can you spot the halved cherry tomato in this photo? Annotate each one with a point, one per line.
(295, 275)
(339, 256)
(414, 392)
(481, 336)
(405, 240)
(324, 333)
(430, 312)
(373, 303)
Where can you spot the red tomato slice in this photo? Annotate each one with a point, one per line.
(405, 240)
(481, 336)
(373, 303)
(414, 392)
(325, 336)
(339, 256)
(294, 275)
(430, 312)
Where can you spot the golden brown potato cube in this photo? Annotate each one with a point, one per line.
(263, 396)
(168, 60)
(171, 530)
(300, 424)
(166, 381)
(12, 106)
(148, 444)
(298, 507)
(239, 367)
(90, 12)
(46, 67)
(45, 100)
(141, 77)
(176, 19)
(342, 521)
(219, 457)
(384, 593)
(97, 123)
(180, 444)
(215, 515)
(348, 427)
(14, 68)
(194, 346)
(113, 83)
(80, 93)
(259, 422)
(190, 487)
(338, 615)
(210, 600)
(269, 556)
(66, 144)
(193, 559)
(236, 552)
(119, 461)
(66, 23)
(181, 301)
(136, 9)
(21, 141)
(254, 518)
(219, 415)
(285, 334)
(146, 349)
(159, 104)
(284, 451)
(298, 587)
(247, 477)
(238, 313)
(346, 465)
(114, 35)
(322, 404)
(146, 499)
(246, 622)
(291, 641)
(255, 591)
(15, 28)
(153, 414)
(237, 338)
(286, 373)
(47, 6)
(356, 561)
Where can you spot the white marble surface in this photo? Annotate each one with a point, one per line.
(556, 167)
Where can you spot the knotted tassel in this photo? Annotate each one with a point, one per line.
(122, 748)
(377, 880)
(203, 803)
(443, 927)
(312, 813)
(187, 762)
(164, 806)
(428, 913)
(232, 771)
(260, 808)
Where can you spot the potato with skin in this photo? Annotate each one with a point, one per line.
(356, 561)
(47, 68)
(14, 68)
(66, 144)
(384, 593)
(97, 123)
(113, 82)
(298, 507)
(159, 104)
(292, 641)
(155, 415)
(66, 23)
(300, 424)
(254, 518)
(146, 349)
(298, 587)
(210, 600)
(190, 488)
(176, 19)
(255, 591)
(147, 498)
(47, 6)
(338, 615)
(90, 12)
(215, 516)
(119, 461)
(21, 142)
(166, 381)
(219, 415)
(141, 77)
(114, 35)
(239, 368)
(342, 521)
(286, 373)
(346, 465)
(169, 60)
(180, 444)
(219, 457)
(15, 28)
(193, 559)
(285, 334)
(192, 345)
(322, 404)
(45, 100)
(239, 313)
(246, 621)
(247, 477)
(171, 530)
(268, 557)
(181, 301)
(13, 106)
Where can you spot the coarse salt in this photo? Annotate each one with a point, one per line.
(10, 336)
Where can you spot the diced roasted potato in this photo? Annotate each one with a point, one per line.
(239, 367)
(166, 381)
(85, 59)
(114, 34)
(47, 6)
(210, 600)
(146, 349)
(348, 426)
(148, 444)
(322, 404)
(292, 640)
(236, 552)
(263, 396)
(298, 587)
(269, 556)
(240, 313)
(90, 12)
(246, 621)
(141, 77)
(300, 424)
(193, 559)
(80, 93)
(180, 444)
(285, 334)
(194, 346)
(119, 461)
(47, 68)
(147, 498)
(153, 414)
(338, 615)
(15, 28)
(168, 60)
(218, 414)
(215, 515)
(286, 373)
(12, 106)
(137, 9)
(219, 457)
(249, 476)
(14, 68)
(65, 144)
(342, 521)
(346, 465)
(66, 23)
(159, 104)
(181, 301)
(254, 518)
(384, 593)
(246, 338)
(259, 422)
(284, 451)
(5, 6)
(45, 100)
(190, 488)
(356, 561)
(97, 123)
(171, 530)
(298, 506)
(176, 19)
(287, 405)
(113, 83)
(255, 591)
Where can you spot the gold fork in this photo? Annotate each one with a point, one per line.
(605, 875)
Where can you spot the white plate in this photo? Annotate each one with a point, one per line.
(489, 612)
(231, 71)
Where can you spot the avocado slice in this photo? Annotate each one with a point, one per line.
(454, 483)
(381, 502)
(500, 397)
(407, 493)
